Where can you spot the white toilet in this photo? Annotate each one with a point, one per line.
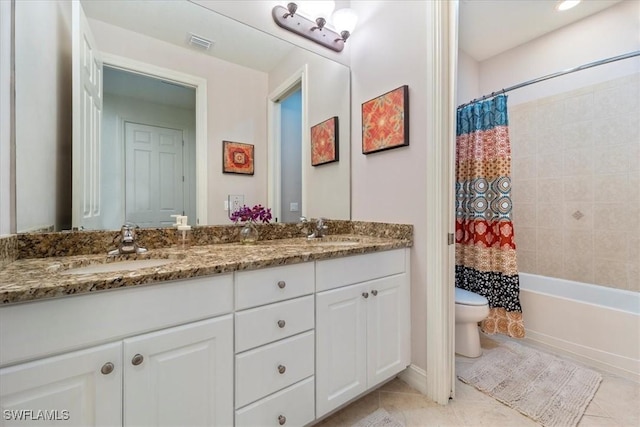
(471, 308)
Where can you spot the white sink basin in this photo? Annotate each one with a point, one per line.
(119, 266)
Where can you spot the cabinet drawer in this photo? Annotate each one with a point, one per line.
(257, 371)
(269, 323)
(69, 323)
(334, 273)
(293, 404)
(264, 286)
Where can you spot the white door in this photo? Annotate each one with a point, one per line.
(87, 117)
(73, 389)
(181, 376)
(388, 328)
(154, 177)
(341, 334)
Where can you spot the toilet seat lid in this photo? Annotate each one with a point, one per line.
(465, 297)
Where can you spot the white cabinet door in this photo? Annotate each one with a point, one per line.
(388, 328)
(341, 372)
(81, 388)
(180, 376)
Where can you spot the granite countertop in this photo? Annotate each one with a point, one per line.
(32, 279)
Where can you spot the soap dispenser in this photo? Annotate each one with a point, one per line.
(183, 232)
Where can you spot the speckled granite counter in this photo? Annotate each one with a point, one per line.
(33, 278)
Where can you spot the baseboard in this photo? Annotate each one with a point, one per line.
(416, 377)
(597, 358)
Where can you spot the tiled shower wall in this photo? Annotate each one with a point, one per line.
(576, 185)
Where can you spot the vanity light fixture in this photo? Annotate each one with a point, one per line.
(343, 22)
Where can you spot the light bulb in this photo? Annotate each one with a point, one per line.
(567, 4)
(317, 8)
(344, 20)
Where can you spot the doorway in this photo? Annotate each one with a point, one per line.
(149, 150)
(291, 157)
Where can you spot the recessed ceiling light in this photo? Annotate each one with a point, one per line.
(567, 4)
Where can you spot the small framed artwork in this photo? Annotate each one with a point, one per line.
(237, 158)
(324, 142)
(385, 121)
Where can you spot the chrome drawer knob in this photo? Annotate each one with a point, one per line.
(374, 292)
(137, 359)
(282, 284)
(281, 369)
(107, 368)
(282, 419)
(365, 294)
(281, 323)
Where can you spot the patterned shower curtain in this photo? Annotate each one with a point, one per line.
(485, 248)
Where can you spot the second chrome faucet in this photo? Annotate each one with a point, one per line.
(320, 230)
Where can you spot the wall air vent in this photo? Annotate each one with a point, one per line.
(200, 42)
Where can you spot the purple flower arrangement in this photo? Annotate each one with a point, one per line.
(254, 214)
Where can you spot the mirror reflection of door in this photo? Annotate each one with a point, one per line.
(291, 157)
(148, 134)
(154, 184)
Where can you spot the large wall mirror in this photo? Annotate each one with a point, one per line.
(161, 105)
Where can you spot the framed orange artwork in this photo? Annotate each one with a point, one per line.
(385, 121)
(237, 158)
(324, 142)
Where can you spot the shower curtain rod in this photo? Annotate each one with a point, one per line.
(558, 74)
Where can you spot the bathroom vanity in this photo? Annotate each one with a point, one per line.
(280, 333)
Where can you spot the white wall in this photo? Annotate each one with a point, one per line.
(388, 51)
(236, 109)
(117, 110)
(612, 32)
(6, 123)
(327, 193)
(43, 114)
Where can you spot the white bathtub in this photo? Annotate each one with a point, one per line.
(596, 324)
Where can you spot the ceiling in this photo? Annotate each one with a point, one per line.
(490, 27)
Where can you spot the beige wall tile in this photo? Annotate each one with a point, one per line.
(611, 216)
(577, 135)
(524, 168)
(611, 188)
(579, 108)
(527, 262)
(609, 273)
(525, 238)
(523, 191)
(548, 216)
(578, 188)
(585, 222)
(634, 187)
(612, 160)
(549, 190)
(611, 245)
(634, 155)
(578, 161)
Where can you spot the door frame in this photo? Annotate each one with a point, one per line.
(274, 146)
(200, 85)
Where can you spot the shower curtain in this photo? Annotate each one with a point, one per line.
(485, 249)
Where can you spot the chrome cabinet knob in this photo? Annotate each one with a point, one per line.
(281, 369)
(107, 368)
(282, 419)
(374, 292)
(282, 284)
(281, 323)
(365, 294)
(137, 359)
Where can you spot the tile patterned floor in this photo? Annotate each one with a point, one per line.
(617, 403)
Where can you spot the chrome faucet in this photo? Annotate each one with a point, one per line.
(320, 230)
(128, 241)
